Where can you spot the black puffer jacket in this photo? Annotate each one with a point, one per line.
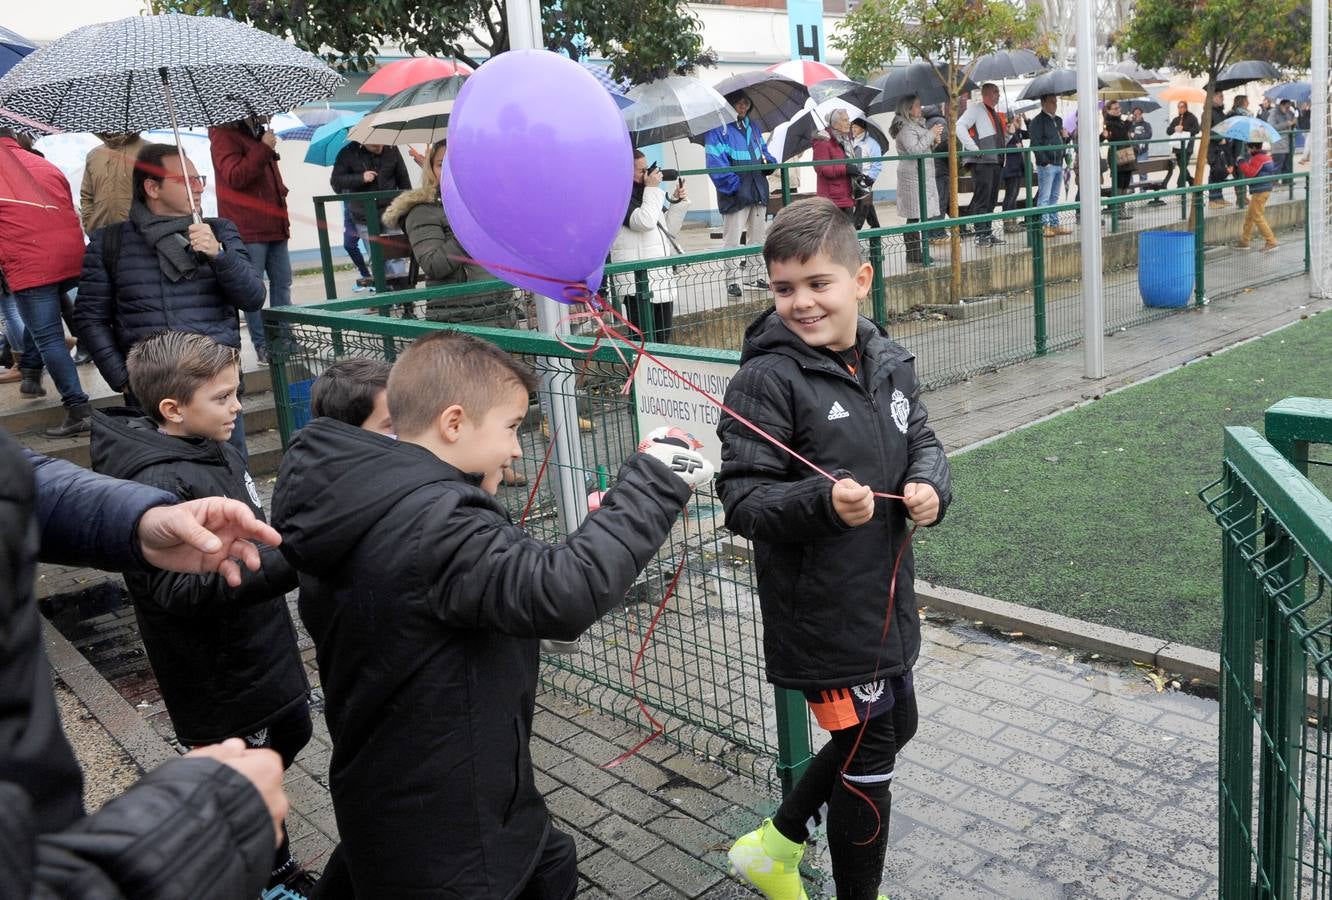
(823, 586)
(426, 605)
(194, 827)
(349, 175)
(112, 318)
(225, 658)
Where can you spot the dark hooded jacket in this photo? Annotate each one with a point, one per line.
(225, 658)
(823, 587)
(426, 605)
(112, 316)
(192, 828)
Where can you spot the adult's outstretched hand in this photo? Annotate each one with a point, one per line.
(212, 534)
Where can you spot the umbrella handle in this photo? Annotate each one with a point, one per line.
(175, 130)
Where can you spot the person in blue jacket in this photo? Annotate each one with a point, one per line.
(742, 197)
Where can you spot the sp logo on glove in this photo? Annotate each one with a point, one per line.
(678, 450)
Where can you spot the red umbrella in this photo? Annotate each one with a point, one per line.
(807, 72)
(404, 73)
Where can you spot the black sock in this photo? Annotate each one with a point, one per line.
(858, 837)
(807, 798)
(284, 865)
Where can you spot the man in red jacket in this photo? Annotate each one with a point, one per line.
(250, 192)
(41, 255)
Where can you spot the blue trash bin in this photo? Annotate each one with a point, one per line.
(1165, 268)
(298, 394)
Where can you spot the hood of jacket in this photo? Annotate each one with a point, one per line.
(125, 442)
(768, 334)
(396, 214)
(337, 481)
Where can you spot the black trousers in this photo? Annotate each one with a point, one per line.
(857, 811)
(554, 878)
(1185, 176)
(985, 193)
(663, 314)
(865, 212)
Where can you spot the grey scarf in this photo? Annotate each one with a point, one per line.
(167, 234)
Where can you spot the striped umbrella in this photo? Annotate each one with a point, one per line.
(807, 71)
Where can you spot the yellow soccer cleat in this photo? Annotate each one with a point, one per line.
(770, 862)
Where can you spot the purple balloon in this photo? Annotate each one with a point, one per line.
(496, 258)
(542, 165)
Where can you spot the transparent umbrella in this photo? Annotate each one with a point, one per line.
(674, 107)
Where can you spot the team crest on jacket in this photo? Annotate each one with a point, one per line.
(868, 693)
(254, 491)
(901, 410)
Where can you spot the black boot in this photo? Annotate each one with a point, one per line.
(78, 420)
(81, 356)
(31, 386)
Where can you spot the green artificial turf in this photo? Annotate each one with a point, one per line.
(1094, 513)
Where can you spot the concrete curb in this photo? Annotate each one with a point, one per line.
(122, 721)
(1190, 662)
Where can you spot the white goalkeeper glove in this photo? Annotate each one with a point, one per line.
(678, 450)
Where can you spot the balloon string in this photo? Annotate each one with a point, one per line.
(595, 312)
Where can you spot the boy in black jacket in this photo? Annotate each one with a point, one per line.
(426, 605)
(833, 387)
(225, 658)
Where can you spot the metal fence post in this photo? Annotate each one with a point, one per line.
(1114, 187)
(786, 185)
(924, 215)
(280, 349)
(1239, 599)
(793, 749)
(1036, 237)
(643, 298)
(1199, 235)
(374, 227)
(325, 250)
(877, 289)
(1029, 170)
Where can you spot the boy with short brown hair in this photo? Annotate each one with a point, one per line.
(426, 605)
(354, 391)
(225, 658)
(830, 384)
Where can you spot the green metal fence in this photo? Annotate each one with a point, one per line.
(702, 674)
(1275, 837)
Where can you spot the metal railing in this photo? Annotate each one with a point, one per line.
(1275, 837)
(702, 674)
(1016, 303)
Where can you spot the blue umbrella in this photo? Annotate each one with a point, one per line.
(329, 139)
(300, 133)
(12, 49)
(1248, 129)
(1294, 91)
(616, 88)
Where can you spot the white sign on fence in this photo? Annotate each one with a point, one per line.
(663, 399)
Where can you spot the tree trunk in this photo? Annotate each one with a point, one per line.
(1205, 136)
(955, 236)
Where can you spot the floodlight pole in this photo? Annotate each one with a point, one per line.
(558, 375)
(1089, 187)
(1316, 186)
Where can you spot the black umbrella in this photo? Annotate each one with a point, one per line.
(852, 92)
(1138, 73)
(922, 79)
(1004, 64)
(1146, 106)
(1056, 81)
(1244, 71)
(775, 98)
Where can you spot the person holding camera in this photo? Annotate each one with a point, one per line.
(863, 145)
(648, 232)
(914, 138)
(834, 181)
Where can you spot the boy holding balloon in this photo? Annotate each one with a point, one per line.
(831, 546)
